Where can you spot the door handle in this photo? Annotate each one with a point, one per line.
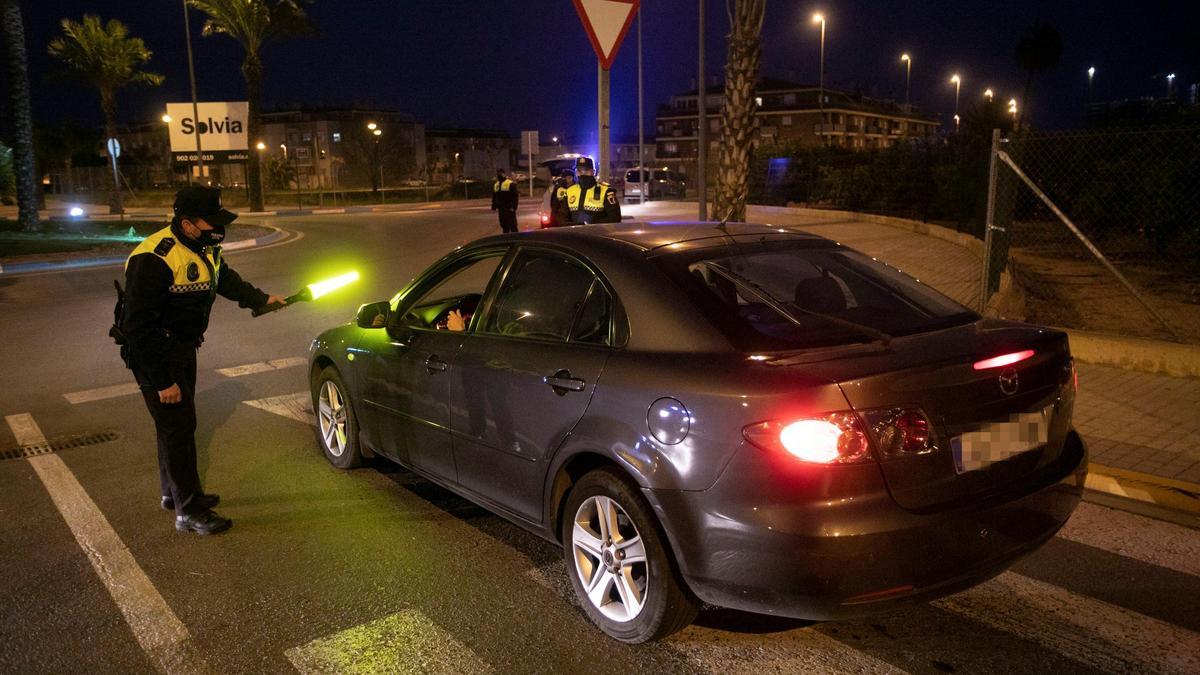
(435, 365)
(562, 382)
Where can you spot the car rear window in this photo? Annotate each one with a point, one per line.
(786, 296)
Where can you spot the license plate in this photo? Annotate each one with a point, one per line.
(998, 441)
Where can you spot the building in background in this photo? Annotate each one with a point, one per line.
(788, 113)
(470, 153)
(338, 147)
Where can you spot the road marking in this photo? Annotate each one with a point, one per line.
(160, 633)
(1092, 632)
(101, 393)
(403, 642)
(321, 212)
(296, 406)
(1144, 539)
(262, 366)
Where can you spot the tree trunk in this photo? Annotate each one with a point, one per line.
(1021, 112)
(108, 103)
(738, 119)
(22, 120)
(253, 72)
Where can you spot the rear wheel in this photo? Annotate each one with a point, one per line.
(619, 567)
(337, 427)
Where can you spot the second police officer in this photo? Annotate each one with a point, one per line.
(591, 201)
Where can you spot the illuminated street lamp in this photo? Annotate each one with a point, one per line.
(378, 134)
(907, 77)
(260, 146)
(988, 94)
(372, 126)
(820, 18)
(166, 118)
(1012, 109)
(1170, 81)
(957, 82)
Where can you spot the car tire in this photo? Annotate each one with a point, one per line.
(666, 604)
(337, 425)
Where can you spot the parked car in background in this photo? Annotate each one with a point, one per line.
(660, 184)
(749, 416)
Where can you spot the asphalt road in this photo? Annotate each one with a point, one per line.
(378, 570)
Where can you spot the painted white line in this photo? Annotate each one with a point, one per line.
(101, 393)
(262, 366)
(318, 212)
(160, 633)
(403, 642)
(1092, 632)
(1150, 541)
(296, 406)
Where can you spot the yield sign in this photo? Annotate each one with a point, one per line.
(606, 22)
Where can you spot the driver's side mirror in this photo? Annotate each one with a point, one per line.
(373, 315)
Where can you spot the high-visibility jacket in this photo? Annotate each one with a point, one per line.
(504, 195)
(597, 204)
(170, 285)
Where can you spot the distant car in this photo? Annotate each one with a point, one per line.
(661, 184)
(741, 415)
(413, 182)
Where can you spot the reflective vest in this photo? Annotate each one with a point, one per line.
(504, 186)
(593, 199)
(191, 272)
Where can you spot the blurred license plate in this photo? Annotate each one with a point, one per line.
(998, 441)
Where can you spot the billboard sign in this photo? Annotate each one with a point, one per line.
(220, 125)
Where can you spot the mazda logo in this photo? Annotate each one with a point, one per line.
(1009, 381)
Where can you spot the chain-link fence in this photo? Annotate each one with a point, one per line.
(1122, 252)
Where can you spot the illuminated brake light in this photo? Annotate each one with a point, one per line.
(1003, 360)
(837, 438)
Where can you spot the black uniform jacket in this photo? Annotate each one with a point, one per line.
(170, 285)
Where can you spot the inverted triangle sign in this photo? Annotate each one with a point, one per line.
(606, 22)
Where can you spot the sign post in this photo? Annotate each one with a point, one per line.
(529, 139)
(114, 151)
(606, 22)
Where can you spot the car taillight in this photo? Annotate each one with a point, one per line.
(545, 219)
(901, 432)
(1003, 360)
(837, 438)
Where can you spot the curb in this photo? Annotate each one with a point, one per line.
(1140, 354)
(83, 263)
(1172, 494)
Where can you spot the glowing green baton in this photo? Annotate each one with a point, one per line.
(309, 292)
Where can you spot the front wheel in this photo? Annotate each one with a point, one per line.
(620, 569)
(337, 426)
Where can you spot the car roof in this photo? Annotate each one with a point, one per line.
(650, 235)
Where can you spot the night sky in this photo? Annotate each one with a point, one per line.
(527, 64)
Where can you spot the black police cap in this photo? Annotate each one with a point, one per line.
(200, 201)
(585, 164)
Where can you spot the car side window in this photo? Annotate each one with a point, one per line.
(595, 317)
(541, 297)
(456, 290)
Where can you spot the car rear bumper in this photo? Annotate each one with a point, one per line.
(749, 544)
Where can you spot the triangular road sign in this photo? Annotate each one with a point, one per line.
(606, 22)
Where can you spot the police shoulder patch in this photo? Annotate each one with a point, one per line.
(612, 197)
(164, 246)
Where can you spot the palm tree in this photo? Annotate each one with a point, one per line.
(105, 56)
(13, 26)
(254, 24)
(738, 118)
(1039, 50)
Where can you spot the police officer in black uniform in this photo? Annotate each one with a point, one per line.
(588, 200)
(504, 201)
(171, 279)
(559, 215)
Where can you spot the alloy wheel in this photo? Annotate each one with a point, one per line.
(332, 412)
(610, 559)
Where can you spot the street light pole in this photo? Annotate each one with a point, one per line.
(641, 124)
(907, 80)
(957, 81)
(702, 129)
(820, 18)
(262, 186)
(187, 28)
(1170, 82)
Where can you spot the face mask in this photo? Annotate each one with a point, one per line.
(212, 237)
(587, 182)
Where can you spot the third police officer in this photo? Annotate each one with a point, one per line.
(588, 200)
(504, 201)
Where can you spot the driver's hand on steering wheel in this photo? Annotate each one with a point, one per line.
(455, 321)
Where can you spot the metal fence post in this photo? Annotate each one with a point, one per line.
(989, 223)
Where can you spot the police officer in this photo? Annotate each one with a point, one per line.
(504, 201)
(588, 200)
(559, 215)
(171, 280)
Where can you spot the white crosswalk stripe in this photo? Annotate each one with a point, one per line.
(1089, 631)
(101, 393)
(1154, 542)
(262, 366)
(297, 406)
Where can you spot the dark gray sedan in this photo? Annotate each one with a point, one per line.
(742, 415)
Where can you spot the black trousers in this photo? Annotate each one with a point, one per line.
(175, 428)
(508, 220)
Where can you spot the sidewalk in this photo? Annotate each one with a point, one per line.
(1142, 429)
